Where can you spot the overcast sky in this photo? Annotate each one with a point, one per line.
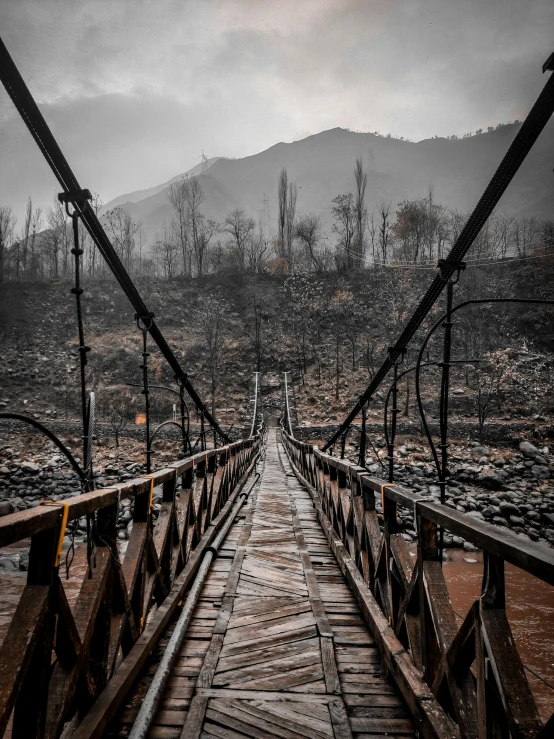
(135, 90)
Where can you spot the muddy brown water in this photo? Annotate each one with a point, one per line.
(530, 609)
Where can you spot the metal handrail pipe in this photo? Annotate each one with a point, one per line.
(255, 413)
(287, 407)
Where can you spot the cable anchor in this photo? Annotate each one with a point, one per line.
(447, 268)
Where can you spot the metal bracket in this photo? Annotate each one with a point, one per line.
(181, 380)
(548, 66)
(145, 319)
(445, 265)
(78, 196)
(402, 352)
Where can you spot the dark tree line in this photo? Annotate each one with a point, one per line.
(417, 232)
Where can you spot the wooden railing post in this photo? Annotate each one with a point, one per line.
(340, 503)
(427, 551)
(167, 529)
(505, 702)
(372, 534)
(32, 637)
(383, 574)
(218, 472)
(333, 494)
(101, 659)
(201, 496)
(358, 515)
(186, 517)
(211, 468)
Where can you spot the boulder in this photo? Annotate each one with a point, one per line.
(509, 509)
(528, 450)
(6, 508)
(30, 467)
(490, 481)
(540, 472)
(517, 521)
(476, 514)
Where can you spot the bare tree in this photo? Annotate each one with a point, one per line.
(372, 229)
(24, 238)
(205, 230)
(260, 248)
(282, 217)
(525, 232)
(57, 239)
(291, 217)
(123, 231)
(201, 230)
(36, 225)
(118, 422)
(181, 222)
(368, 354)
(7, 225)
(384, 229)
(411, 229)
(344, 226)
(490, 377)
(308, 232)
(166, 251)
(260, 330)
(88, 245)
(212, 315)
(361, 213)
(241, 230)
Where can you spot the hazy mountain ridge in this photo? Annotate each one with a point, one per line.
(138, 195)
(322, 166)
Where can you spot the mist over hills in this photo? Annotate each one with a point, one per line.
(322, 166)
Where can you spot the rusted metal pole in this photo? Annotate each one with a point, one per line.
(363, 440)
(255, 413)
(288, 424)
(391, 439)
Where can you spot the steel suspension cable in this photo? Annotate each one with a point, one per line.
(525, 138)
(34, 120)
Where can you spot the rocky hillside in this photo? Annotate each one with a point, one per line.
(331, 332)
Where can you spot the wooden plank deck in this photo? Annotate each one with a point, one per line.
(277, 646)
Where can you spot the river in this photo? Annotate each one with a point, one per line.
(530, 611)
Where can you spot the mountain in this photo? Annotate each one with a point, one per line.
(322, 166)
(137, 195)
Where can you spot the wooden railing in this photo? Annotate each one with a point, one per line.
(473, 670)
(56, 659)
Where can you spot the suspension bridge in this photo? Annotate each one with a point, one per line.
(272, 595)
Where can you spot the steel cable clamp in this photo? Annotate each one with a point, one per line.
(383, 487)
(152, 486)
(65, 516)
(146, 319)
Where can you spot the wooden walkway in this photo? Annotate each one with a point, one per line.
(276, 647)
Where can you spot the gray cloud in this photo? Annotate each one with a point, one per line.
(135, 89)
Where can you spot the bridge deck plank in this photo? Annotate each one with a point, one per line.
(276, 646)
